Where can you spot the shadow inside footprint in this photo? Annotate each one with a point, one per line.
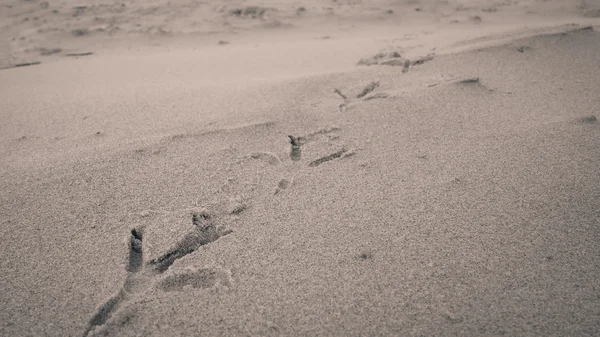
(282, 185)
(587, 120)
(136, 257)
(104, 312)
(339, 154)
(267, 157)
(295, 153)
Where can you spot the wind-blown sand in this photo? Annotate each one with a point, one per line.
(207, 169)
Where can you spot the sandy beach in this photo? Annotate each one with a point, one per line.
(300, 168)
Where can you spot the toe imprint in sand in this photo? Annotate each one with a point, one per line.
(136, 258)
(587, 120)
(19, 65)
(339, 93)
(136, 255)
(80, 54)
(206, 231)
(283, 184)
(201, 279)
(343, 153)
(395, 59)
(473, 82)
(368, 88)
(296, 152)
(267, 157)
(363, 95)
(104, 312)
(470, 80)
(140, 278)
(320, 135)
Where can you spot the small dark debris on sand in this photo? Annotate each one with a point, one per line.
(79, 54)
(222, 42)
(522, 49)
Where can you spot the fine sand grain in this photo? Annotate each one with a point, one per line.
(222, 169)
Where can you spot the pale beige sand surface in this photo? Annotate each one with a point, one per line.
(169, 185)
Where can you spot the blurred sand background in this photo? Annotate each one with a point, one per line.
(245, 168)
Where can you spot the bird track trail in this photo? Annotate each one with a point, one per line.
(140, 275)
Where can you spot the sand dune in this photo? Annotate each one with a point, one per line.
(383, 168)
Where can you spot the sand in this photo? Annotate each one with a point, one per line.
(348, 168)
